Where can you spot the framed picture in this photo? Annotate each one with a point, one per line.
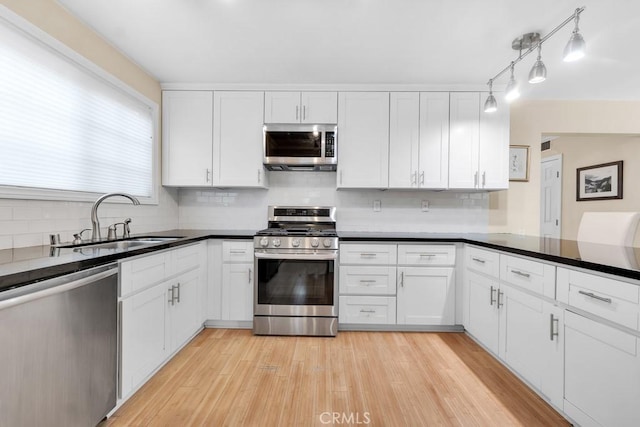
(518, 163)
(599, 182)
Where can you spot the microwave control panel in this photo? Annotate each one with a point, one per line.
(330, 144)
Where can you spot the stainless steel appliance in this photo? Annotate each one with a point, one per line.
(301, 147)
(295, 273)
(58, 358)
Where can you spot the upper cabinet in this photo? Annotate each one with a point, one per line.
(419, 140)
(237, 138)
(212, 139)
(301, 107)
(187, 135)
(478, 144)
(363, 141)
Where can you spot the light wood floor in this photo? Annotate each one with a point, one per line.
(230, 377)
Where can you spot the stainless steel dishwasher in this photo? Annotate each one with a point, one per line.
(58, 350)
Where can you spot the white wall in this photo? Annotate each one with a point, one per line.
(401, 210)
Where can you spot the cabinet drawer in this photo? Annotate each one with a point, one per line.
(143, 272)
(531, 275)
(186, 258)
(367, 280)
(426, 255)
(237, 251)
(368, 310)
(611, 299)
(380, 254)
(482, 261)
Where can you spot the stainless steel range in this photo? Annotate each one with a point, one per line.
(295, 267)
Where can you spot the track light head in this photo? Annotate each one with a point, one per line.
(512, 91)
(538, 72)
(490, 105)
(576, 46)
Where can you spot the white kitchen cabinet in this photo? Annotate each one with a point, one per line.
(301, 107)
(478, 144)
(419, 140)
(363, 142)
(426, 296)
(237, 139)
(160, 309)
(367, 280)
(368, 310)
(602, 373)
(483, 319)
(237, 280)
(187, 138)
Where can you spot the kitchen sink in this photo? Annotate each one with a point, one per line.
(121, 244)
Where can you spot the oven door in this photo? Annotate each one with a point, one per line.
(295, 284)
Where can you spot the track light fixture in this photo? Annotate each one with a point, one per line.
(526, 44)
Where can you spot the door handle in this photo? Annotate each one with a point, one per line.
(170, 292)
(500, 294)
(491, 292)
(304, 112)
(297, 110)
(551, 330)
(249, 275)
(422, 178)
(402, 279)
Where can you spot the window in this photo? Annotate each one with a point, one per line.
(68, 130)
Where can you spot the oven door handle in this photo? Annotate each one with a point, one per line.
(302, 256)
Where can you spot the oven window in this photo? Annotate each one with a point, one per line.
(295, 282)
(293, 144)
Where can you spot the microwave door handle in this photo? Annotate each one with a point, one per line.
(301, 256)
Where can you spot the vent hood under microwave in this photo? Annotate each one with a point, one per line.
(300, 147)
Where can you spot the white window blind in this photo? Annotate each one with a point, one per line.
(64, 127)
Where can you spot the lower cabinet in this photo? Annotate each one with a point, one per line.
(426, 296)
(602, 373)
(237, 291)
(157, 320)
(373, 310)
(483, 319)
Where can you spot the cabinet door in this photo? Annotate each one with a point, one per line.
(404, 138)
(237, 138)
(367, 280)
(483, 317)
(434, 140)
(494, 149)
(145, 337)
(363, 143)
(602, 374)
(185, 310)
(187, 138)
(320, 107)
(464, 131)
(237, 291)
(282, 107)
(426, 296)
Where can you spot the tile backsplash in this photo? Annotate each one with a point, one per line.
(229, 209)
(26, 223)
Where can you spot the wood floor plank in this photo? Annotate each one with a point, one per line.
(232, 378)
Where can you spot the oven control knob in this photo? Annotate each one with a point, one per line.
(276, 242)
(327, 243)
(315, 242)
(264, 242)
(295, 243)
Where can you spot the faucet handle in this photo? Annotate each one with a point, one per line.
(77, 238)
(54, 239)
(113, 231)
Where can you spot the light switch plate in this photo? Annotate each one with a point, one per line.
(425, 206)
(376, 205)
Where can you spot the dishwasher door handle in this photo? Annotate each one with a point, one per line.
(22, 299)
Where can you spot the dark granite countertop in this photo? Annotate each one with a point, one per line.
(22, 266)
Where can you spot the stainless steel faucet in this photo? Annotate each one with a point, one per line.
(95, 222)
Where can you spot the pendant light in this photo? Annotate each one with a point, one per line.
(538, 72)
(512, 91)
(576, 47)
(490, 105)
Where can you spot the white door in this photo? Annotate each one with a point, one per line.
(319, 107)
(187, 138)
(185, 308)
(483, 318)
(404, 139)
(551, 197)
(363, 146)
(282, 107)
(237, 138)
(464, 133)
(493, 168)
(237, 291)
(426, 296)
(433, 170)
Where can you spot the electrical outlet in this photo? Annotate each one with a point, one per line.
(376, 205)
(425, 206)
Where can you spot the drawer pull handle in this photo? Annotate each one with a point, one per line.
(520, 273)
(481, 261)
(368, 255)
(427, 255)
(552, 332)
(367, 311)
(491, 299)
(367, 281)
(594, 296)
(237, 251)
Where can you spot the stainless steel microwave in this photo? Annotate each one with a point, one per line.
(300, 147)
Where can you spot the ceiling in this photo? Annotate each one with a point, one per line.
(447, 43)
